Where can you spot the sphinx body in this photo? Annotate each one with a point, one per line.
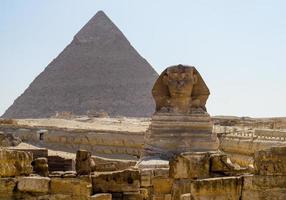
(180, 122)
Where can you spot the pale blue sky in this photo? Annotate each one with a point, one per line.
(238, 46)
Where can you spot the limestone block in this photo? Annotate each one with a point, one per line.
(33, 184)
(190, 165)
(15, 163)
(256, 187)
(101, 196)
(7, 185)
(270, 161)
(76, 187)
(217, 188)
(40, 166)
(118, 181)
(145, 177)
(180, 187)
(162, 185)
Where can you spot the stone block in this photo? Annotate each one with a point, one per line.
(180, 187)
(15, 163)
(75, 187)
(7, 186)
(145, 177)
(217, 188)
(190, 165)
(101, 196)
(33, 184)
(256, 187)
(270, 161)
(162, 185)
(118, 181)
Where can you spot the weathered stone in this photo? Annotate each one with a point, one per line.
(15, 163)
(105, 164)
(118, 181)
(33, 184)
(84, 164)
(79, 187)
(40, 166)
(271, 161)
(256, 187)
(162, 185)
(217, 188)
(180, 123)
(186, 197)
(180, 187)
(190, 165)
(7, 140)
(145, 177)
(101, 196)
(7, 186)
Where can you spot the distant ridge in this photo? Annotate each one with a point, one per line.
(99, 71)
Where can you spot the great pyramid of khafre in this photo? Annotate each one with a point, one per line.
(99, 71)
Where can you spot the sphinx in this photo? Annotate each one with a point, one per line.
(180, 122)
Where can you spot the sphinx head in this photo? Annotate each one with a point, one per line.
(180, 81)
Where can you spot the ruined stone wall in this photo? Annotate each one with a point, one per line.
(112, 144)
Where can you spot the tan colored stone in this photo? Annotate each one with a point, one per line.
(75, 187)
(15, 163)
(217, 188)
(162, 185)
(145, 177)
(118, 181)
(84, 165)
(7, 186)
(179, 88)
(270, 161)
(256, 187)
(40, 166)
(190, 165)
(101, 196)
(33, 184)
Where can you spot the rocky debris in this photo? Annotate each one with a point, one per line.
(33, 184)
(270, 161)
(190, 165)
(7, 140)
(98, 70)
(105, 164)
(84, 165)
(15, 163)
(118, 181)
(40, 166)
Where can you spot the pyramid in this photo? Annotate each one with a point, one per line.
(99, 71)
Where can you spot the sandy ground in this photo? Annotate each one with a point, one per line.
(114, 124)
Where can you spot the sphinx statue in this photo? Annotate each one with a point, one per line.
(180, 89)
(180, 122)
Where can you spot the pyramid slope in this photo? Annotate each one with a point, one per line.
(99, 70)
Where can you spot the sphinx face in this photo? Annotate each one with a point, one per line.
(180, 82)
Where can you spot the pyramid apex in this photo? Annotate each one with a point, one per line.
(100, 25)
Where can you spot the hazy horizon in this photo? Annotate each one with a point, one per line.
(237, 46)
